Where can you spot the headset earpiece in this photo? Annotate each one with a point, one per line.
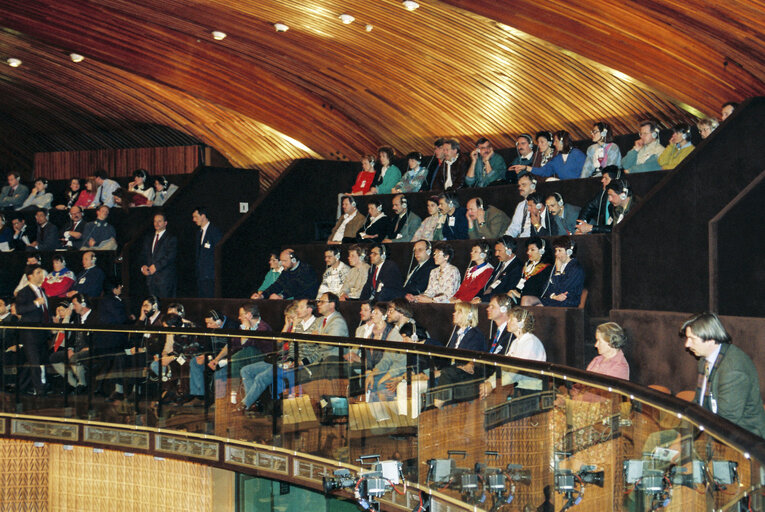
(293, 259)
(404, 202)
(603, 133)
(559, 198)
(479, 203)
(539, 206)
(428, 248)
(542, 249)
(570, 250)
(351, 200)
(533, 184)
(379, 208)
(655, 133)
(383, 253)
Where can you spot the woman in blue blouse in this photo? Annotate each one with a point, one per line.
(567, 164)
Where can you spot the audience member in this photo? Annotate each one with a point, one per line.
(417, 278)
(79, 352)
(297, 281)
(349, 223)
(455, 223)
(488, 222)
(331, 322)
(539, 218)
(644, 156)
(499, 313)
(207, 239)
(379, 363)
(99, 235)
(477, 275)
(306, 322)
(430, 229)
(728, 384)
(678, 148)
(523, 345)
(242, 351)
(197, 365)
(561, 216)
(274, 271)
(507, 273)
(444, 280)
(70, 196)
(545, 150)
(106, 189)
(87, 196)
(596, 211)
(39, 198)
(13, 195)
(435, 162)
(451, 174)
(71, 236)
(158, 257)
(727, 109)
(32, 305)
(6, 235)
(399, 313)
(364, 330)
(335, 274)
(357, 275)
(46, 238)
(140, 186)
(414, 177)
(384, 281)
(620, 201)
(535, 273)
(163, 190)
(22, 235)
(389, 174)
(405, 223)
(520, 225)
(60, 280)
(486, 166)
(602, 153)
(707, 126)
(377, 224)
(610, 361)
(566, 283)
(64, 349)
(89, 282)
(524, 160)
(567, 164)
(366, 177)
(466, 335)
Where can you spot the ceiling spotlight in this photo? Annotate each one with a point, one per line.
(14, 62)
(218, 35)
(76, 57)
(410, 5)
(347, 19)
(281, 27)
(368, 28)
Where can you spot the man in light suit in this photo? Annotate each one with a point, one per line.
(158, 257)
(207, 238)
(562, 215)
(32, 305)
(728, 384)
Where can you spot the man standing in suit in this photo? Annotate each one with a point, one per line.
(728, 384)
(207, 238)
(159, 253)
(507, 272)
(32, 306)
(384, 282)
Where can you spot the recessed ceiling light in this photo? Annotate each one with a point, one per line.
(410, 5)
(218, 35)
(14, 62)
(347, 19)
(281, 27)
(368, 28)
(76, 57)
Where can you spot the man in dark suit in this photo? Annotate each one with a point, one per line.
(384, 282)
(207, 238)
(451, 174)
(71, 237)
(47, 234)
(728, 384)
(159, 253)
(417, 280)
(32, 306)
(506, 274)
(563, 216)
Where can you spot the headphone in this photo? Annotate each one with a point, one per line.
(139, 173)
(537, 200)
(179, 308)
(378, 206)
(214, 315)
(451, 201)
(81, 299)
(293, 259)
(479, 203)
(484, 249)
(162, 180)
(542, 249)
(428, 247)
(404, 202)
(528, 138)
(570, 249)
(351, 200)
(61, 259)
(383, 252)
(524, 317)
(625, 193)
(503, 301)
(559, 198)
(470, 314)
(362, 254)
(154, 302)
(335, 251)
(683, 129)
(654, 130)
(509, 243)
(44, 182)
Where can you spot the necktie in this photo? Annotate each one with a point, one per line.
(707, 387)
(448, 181)
(41, 294)
(154, 245)
(374, 278)
(494, 343)
(59, 340)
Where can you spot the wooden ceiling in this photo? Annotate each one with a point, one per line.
(329, 90)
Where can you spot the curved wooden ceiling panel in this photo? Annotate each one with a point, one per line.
(332, 90)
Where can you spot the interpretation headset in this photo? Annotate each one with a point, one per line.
(451, 200)
(362, 253)
(625, 189)
(570, 249)
(525, 313)
(479, 203)
(153, 302)
(79, 297)
(537, 198)
(603, 128)
(654, 129)
(428, 247)
(528, 138)
(558, 198)
(61, 259)
(542, 249)
(404, 202)
(383, 252)
(214, 315)
(351, 200)
(509, 243)
(44, 182)
(293, 259)
(378, 205)
(484, 249)
(470, 314)
(684, 130)
(163, 181)
(503, 301)
(140, 173)
(335, 251)
(179, 308)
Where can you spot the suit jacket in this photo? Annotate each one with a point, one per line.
(27, 309)
(83, 339)
(78, 227)
(417, 282)
(13, 199)
(402, 230)
(472, 340)
(733, 383)
(381, 227)
(205, 254)
(567, 224)
(295, 283)
(111, 311)
(458, 170)
(351, 229)
(334, 325)
(163, 258)
(389, 283)
(455, 226)
(90, 282)
(495, 224)
(506, 278)
(47, 237)
(502, 345)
